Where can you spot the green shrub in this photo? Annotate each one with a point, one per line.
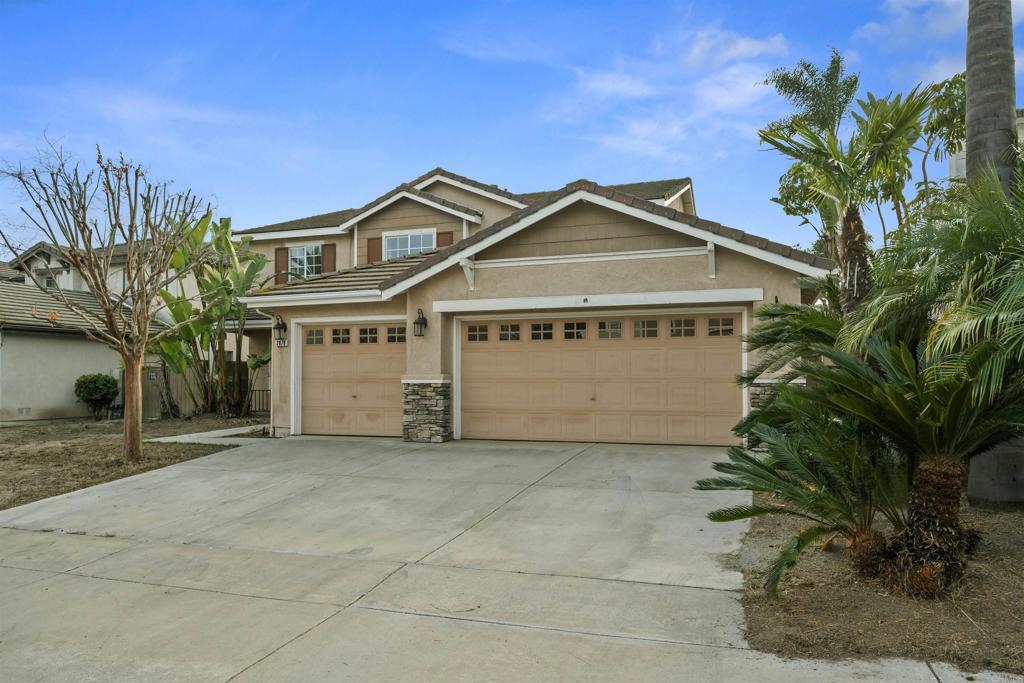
(96, 391)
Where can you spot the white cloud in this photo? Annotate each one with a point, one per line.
(912, 22)
(713, 45)
(613, 84)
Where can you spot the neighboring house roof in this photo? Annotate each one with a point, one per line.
(25, 306)
(8, 272)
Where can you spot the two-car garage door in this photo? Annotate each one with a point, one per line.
(634, 379)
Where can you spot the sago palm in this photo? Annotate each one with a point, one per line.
(924, 406)
(845, 173)
(826, 471)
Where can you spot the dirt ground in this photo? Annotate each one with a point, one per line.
(824, 610)
(47, 459)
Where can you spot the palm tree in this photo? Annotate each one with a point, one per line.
(844, 174)
(991, 92)
(925, 407)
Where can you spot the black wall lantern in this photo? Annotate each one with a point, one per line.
(280, 331)
(419, 325)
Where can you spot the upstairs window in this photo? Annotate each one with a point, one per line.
(399, 244)
(304, 261)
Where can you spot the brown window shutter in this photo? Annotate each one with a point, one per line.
(280, 265)
(374, 250)
(445, 239)
(328, 259)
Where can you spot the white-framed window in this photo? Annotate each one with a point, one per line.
(304, 261)
(399, 244)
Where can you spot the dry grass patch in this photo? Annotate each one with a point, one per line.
(42, 460)
(825, 610)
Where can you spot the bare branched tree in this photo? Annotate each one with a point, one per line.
(91, 216)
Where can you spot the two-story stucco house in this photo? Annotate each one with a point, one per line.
(448, 308)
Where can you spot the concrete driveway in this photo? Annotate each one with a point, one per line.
(329, 559)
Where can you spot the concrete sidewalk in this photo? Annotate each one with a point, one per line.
(333, 559)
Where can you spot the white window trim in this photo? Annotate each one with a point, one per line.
(457, 321)
(304, 246)
(403, 233)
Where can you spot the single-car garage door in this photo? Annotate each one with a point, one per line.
(352, 379)
(644, 379)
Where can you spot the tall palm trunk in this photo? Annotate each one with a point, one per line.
(991, 93)
(853, 259)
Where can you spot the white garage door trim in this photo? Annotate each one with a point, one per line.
(295, 343)
(585, 313)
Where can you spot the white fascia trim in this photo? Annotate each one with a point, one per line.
(311, 298)
(590, 258)
(699, 296)
(409, 231)
(291, 234)
(469, 188)
(346, 319)
(578, 195)
(408, 195)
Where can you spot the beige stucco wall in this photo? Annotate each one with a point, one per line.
(343, 249)
(587, 229)
(493, 210)
(38, 372)
(405, 214)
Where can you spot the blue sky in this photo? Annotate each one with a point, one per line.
(278, 110)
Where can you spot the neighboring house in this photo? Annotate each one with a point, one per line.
(39, 362)
(589, 313)
(958, 161)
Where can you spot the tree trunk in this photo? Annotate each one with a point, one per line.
(929, 556)
(132, 448)
(991, 93)
(853, 260)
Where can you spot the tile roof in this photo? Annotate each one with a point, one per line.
(7, 272)
(649, 189)
(354, 279)
(336, 218)
(494, 189)
(18, 301)
(623, 198)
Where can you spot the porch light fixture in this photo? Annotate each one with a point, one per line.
(280, 331)
(420, 324)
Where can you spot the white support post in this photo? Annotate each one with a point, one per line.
(465, 228)
(470, 272)
(711, 260)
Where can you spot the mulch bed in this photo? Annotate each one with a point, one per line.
(40, 460)
(825, 610)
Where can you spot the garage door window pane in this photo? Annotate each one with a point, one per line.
(396, 335)
(645, 328)
(477, 333)
(687, 327)
(315, 336)
(609, 329)
(720, 327)
(340, 335)
(509, 332)
(541, 331)
(575, 330)
(367, 335)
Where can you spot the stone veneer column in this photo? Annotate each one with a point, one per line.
(427, 409)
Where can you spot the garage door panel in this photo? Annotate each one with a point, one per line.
(621, 388)
(647, 363)
(611, 362)
(352, 388)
